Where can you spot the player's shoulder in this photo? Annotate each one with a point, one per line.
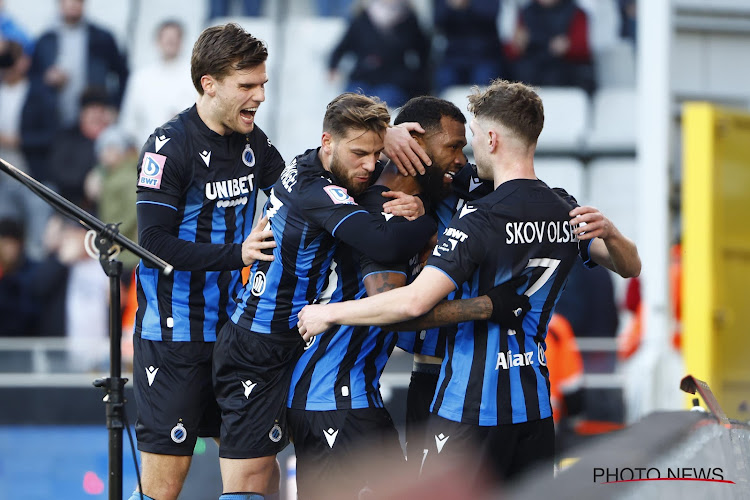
(171, 138)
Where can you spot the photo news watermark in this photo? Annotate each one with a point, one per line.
(607, 475)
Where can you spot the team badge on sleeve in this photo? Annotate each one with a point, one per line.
(152, 169)
(339, 195)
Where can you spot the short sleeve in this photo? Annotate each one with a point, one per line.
(461, 247)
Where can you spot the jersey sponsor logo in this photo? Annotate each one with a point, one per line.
(330, 435)
(451, 232)
(508, 360)
(206, 157)
(440, 441)
(466, 210)
(275, 433)
(454, 237)
(541, 355)
(160, 141)
(518, 233)
(259, 283)
(248, 387)
(232, 203)
(152, 169)
(339, 195)
(178, 433)
(288, 176)
(474, 183)
(151, 374)
(248, 156)
(230, 188)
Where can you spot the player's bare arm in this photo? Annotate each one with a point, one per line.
(609, 248)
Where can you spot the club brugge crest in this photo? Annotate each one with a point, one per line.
(275, 433)
(178, 434)
(248, 156)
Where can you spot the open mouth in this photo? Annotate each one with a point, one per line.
(448, 176)
(248, 114)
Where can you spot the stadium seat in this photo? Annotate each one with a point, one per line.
(614, 122)
(567, 173)
(304, 86)
(613, 189)
(566, 120)
(614, 65)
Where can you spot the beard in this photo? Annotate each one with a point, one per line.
(431, 184)
(342, 176)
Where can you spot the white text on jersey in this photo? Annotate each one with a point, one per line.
(230, 187)
(534, 232)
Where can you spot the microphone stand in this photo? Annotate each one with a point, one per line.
(106, 242)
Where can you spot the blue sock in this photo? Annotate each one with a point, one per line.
(242, 496)
(137, 495)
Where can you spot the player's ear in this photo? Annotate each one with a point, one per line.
(326, 143)
(208, 84)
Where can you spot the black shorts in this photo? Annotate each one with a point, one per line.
(502, 452)
(174, 395)
(252, 372)
(335, 448)
(422, 387)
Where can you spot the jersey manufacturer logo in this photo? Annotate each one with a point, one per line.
(151, 374)
(160, 141)
(466, 210)
(275, 433)
(310, 343)
(259, 283)
(330, 435)
(248, 156)
(474, 183)
(249, 386)
(387, 216)
(152, 169)
(508, 360)
(339, 195)
(440, 441)
(541, 355)
(206, 157)
(178, 433)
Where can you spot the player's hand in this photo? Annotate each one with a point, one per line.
(404, 151)
(403, 205)
(312, 321)
(259, 239)
(508, 306)
(590, 223)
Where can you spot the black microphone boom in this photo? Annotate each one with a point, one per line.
(107, 237)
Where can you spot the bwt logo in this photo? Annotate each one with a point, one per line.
(627, 474)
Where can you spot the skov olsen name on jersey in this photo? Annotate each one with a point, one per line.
(536, 231)
(230, 188)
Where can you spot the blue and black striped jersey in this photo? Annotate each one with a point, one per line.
(341, 369)
(196, 203)
(308, 213)
(465, 186)
(491, 375)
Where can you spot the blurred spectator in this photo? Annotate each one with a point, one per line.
(565, 369)
(628, 19)
(226, 8)
(18, 310)
(68, 58)
(110, 185)
(551, 45)
(72, 155)
(473, 52)
(157, 92)
(17, 201)
(10, 30)
(334, 8)
(390, 51)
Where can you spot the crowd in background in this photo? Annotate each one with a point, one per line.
(76, 112)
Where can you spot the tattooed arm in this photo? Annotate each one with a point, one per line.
(447, 312)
